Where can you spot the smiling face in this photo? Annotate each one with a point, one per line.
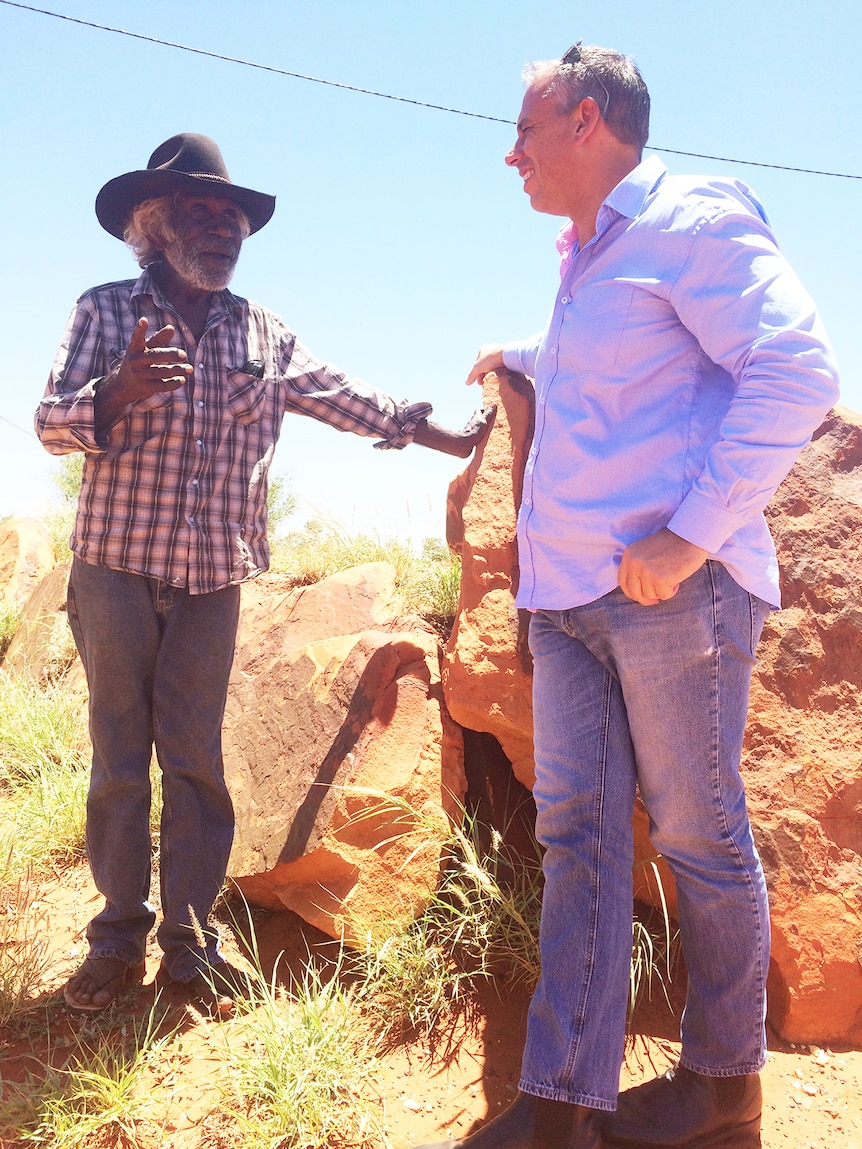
(207, 235)
(545, 155)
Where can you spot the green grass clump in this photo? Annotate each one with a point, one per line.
(481, 924)
(428, 580)
(44, 754)
(100, 1097)
(24, 957)
(10, 619)
(302, 1075)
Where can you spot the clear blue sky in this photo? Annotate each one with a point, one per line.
(400, 241)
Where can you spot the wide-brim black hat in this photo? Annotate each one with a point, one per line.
(188, 163)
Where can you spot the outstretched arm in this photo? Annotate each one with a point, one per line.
(459, 443)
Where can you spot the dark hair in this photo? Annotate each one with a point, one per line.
(609, 77)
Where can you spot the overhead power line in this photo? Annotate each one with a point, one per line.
(389, 95)
(23, 430)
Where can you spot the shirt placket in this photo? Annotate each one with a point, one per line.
(187, 550)
(547, 368)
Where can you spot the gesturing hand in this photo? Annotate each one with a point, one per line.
(150, 365)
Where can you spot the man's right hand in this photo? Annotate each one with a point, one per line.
(151, 365)
(490, 358)
(148, 366)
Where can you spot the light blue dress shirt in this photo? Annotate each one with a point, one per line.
(683, 369)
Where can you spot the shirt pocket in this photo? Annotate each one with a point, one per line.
(249, 397)
(594, 323)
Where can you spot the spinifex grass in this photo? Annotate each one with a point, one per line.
(480, 924)
(43, 775)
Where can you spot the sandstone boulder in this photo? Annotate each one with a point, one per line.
(43, 648)
(341, 757)
(803, 754)
(26, 556)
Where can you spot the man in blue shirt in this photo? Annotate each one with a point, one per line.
(681, 372)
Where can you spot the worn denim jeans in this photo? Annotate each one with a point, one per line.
(158, 662)
(654, 697)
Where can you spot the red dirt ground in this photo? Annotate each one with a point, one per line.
(812, 1097)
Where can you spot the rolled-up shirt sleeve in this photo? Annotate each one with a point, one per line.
(65, 419)
(739, 297)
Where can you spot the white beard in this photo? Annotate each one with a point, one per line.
(192, 265)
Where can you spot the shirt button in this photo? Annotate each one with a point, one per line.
(194, 482)
(565, 299)
(200, 402)
(554, 350)
(199, 442)
(191, 518)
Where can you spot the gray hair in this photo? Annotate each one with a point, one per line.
(609, 77)
(150, 228)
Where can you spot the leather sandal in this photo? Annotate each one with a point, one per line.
(99, 981)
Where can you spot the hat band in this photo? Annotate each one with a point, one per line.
(201, 176)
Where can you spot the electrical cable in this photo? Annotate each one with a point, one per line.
(389, 96)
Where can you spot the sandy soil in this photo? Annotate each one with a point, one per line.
(812, 1096)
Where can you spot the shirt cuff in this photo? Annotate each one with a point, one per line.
(700, 521)
(520, 357)
(406, 415)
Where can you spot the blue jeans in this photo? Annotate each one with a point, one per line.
(654, 697)
(158, 662)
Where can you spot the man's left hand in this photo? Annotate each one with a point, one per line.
(652, 569)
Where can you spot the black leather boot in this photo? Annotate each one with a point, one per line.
(687, 1110)
(534, 1123)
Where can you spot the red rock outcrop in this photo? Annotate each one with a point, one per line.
(487, 668)
(341, 757)
(803, 756)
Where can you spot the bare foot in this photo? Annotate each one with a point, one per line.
(100, 981)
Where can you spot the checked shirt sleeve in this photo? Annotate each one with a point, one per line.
(322, 392)
(65, 417)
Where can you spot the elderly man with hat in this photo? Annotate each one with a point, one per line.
(174, 389)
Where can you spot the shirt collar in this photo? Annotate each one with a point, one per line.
(628, 198)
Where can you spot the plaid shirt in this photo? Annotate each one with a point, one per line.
(177, 488)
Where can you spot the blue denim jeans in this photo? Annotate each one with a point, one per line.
(654, 697)
(157, 661)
